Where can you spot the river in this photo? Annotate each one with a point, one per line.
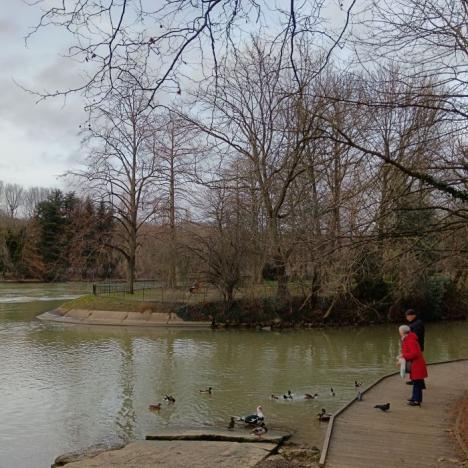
(63, 388)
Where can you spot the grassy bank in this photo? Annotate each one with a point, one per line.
(257, 305)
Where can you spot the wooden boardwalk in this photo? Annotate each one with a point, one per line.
(364, 437)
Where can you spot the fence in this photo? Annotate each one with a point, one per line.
(100, 289)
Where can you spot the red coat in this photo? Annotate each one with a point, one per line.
(411, 351)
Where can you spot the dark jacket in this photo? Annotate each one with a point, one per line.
(411, 351)
(417, 327)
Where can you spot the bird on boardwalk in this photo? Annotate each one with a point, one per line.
(308, 396)
(156, 407)
(288, 396)
(232, 423)
(259, 430)
(169, 398)
(384, 407)
(208, 390)
(359, 395)
(332, 392)
(323, 415)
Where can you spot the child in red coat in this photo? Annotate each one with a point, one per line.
(411, 352)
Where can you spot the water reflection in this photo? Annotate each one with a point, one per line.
(64, 388)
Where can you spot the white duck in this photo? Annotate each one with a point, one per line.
(254, 419)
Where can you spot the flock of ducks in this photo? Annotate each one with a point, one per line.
(257, 420)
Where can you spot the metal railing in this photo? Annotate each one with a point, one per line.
(109, 288)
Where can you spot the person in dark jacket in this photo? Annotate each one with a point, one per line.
(416, 325)
(411, 352)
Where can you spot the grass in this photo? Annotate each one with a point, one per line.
(139, 301)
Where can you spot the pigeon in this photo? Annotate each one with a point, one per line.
(232, 423)
(384, 407)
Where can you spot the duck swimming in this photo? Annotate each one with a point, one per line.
(274, 397)
(156, 407)
(254, 419)
(169, 398)
(308, 396)
(259, 430)
(332, 392)
(323, 415)
(288, 396)
(208, 390)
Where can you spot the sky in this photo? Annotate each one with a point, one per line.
(38, 141)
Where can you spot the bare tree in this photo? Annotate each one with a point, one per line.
(121, 167)
(176, 36)
(256, 118)
(13, 194)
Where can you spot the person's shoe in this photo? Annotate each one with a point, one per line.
(413, 403)
(409, 399)
(410, 382)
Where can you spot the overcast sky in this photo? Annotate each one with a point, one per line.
(38, 142)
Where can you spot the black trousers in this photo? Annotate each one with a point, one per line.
(418, 387)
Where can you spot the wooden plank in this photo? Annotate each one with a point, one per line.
(360, 436)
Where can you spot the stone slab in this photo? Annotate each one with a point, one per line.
(179, 454)
(225, 435)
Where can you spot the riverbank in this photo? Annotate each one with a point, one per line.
(262, 313)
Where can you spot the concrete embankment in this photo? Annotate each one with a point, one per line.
(194, 449)
(146, 318)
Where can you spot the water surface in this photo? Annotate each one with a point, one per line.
(67, 387)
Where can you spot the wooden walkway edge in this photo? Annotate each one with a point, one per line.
(332, 438)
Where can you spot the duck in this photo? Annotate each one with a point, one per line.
(254, 419)
(357, 384)
(156, 407)
(308, 396)
(169, 398)
(208, 390)
(274, 397)
(259, 430)
(332, 392)
(232, 423)
(323, 415)
(288, 396)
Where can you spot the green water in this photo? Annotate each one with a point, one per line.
(63, 388)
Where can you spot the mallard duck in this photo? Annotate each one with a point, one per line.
(323, 415)
(156, 407)
(288, 396)
(357, 384)
(308, 396)
(274, 397)
(332, 392)
(169, 398)
(254, 419)
(260, 429)
(208, 390)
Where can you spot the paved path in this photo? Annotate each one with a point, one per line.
(364, 437)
